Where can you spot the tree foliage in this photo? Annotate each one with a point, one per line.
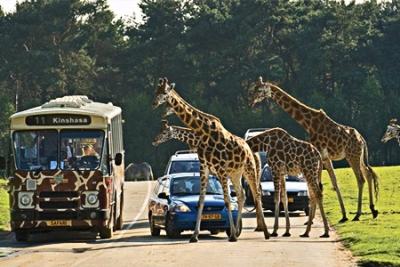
(343, 58)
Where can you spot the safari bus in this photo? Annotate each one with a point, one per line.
(68, 168)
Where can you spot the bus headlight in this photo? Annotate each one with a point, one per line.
(25, 200)
(302, 194)
(180, 207)
(91, 199)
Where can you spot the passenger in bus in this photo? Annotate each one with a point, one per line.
(88, 150)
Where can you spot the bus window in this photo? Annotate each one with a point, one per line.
(36, 150)
(81, 149)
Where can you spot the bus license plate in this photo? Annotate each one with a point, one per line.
(212, 216)
(59, 223)
(290, 200)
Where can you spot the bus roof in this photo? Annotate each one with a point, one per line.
(74, 104)
(77, 104)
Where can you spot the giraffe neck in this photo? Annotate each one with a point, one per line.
(262, 142)
(300, 112)
(185, 135)
(200, 122)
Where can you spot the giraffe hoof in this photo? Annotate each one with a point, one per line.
(344, 219)
(324, 235)
(356, 218)
(304, 235)
(266, 235)
(286, 235)
(232, 239)
(375, 213)
(274, 234)
(307, 223)
(193, 239)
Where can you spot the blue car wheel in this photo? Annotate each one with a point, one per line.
(171, 230)
(228, 231)
(154, 230)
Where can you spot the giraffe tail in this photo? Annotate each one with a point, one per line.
(371, 172)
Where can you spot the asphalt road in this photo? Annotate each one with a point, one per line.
(135, 247)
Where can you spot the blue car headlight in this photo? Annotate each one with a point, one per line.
(302, 193)
(180, 207)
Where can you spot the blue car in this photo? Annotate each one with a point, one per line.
(173, 205)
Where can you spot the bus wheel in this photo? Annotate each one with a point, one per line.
(21, 235)
(120, 221)
(106, 232)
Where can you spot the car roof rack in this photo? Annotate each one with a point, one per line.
(180, 152)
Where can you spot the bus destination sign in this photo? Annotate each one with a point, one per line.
(57, 119)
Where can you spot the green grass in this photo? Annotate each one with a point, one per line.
(376, 242)
(4, 208)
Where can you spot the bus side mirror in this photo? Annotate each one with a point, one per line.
(118, 159)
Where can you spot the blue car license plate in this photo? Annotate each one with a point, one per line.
(211, 216)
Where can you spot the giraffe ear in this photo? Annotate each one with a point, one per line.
(172, 85)
(164, 124)
(163, 83)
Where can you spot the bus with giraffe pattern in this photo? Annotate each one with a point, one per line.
(67, 170)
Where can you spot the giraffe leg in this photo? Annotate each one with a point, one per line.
(251, 177)
(370, 175)
(311, 216)
(233, 236)
(285, 207)
(277, 187)
(204, 171)
(329, 167)
(355, 165)
(236, 180)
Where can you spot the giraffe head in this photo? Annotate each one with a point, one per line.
(165, 134)
(259, 91)
(392, 131)
(163, 92)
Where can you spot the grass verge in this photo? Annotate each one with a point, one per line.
(4, 208)
(376, 242)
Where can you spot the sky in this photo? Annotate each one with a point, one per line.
(121, 8)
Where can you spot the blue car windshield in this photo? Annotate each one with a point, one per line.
(191, 186)
(184, 166)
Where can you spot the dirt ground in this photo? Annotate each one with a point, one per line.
(135, 247)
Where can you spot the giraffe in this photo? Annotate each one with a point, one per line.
(392, 131)
(333, 140)
(220, 152)
(290, 156)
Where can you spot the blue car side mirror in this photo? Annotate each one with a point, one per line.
(163, 195)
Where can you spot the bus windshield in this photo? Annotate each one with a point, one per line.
(81, 149)
(42, 150)
(36, 150)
